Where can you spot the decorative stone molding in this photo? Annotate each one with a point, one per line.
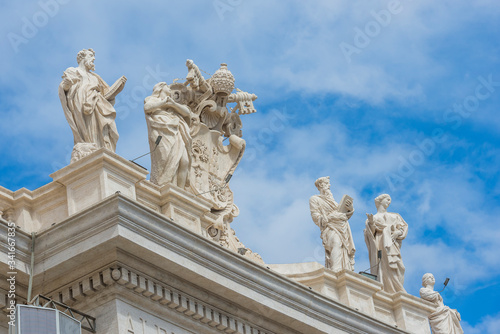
(97, 176)
(4, 299)
(85, 287)
(7, 214)
(183, 303)
(74, 188)
(6, 200)
(120, 230)
(155, 291)
(365, 295)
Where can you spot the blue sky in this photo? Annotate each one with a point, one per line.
(385, 97)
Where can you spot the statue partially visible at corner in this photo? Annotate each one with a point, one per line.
(88, 102)
(443, 320)
(332, 219)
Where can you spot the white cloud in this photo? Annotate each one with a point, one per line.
(441, 203)
(488, 325)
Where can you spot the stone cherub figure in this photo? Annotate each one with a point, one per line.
(88, 102)
(444, 320)
(385, 232)
(171, 159)
(332, 219)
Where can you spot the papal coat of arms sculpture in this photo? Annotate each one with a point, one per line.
(194, 133)
(194, 119)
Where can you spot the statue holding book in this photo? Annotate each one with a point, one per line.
(88, 101)
(332, 218)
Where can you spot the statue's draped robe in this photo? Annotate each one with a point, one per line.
(444, 320)
(176, 142)
(335, 233)
(90, 116)
(391, 269)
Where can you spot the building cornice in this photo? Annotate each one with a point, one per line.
(118, 222)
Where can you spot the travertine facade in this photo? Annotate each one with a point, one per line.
(136, 257)
(115, 254)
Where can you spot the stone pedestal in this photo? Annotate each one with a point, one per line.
(411, 314)
(93, 178)
(357, 291)
(363, 294)
(184, 208)
(73, 189)
(97, 176)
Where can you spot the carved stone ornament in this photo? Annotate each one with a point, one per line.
(88, 101)
(222, 81)
(443, 320)
(194, 120)
(332, 219)
(7, 214)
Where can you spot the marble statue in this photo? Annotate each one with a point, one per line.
(385, 232)
(332, 219)
(88, 102)
(443, 320)
(171, 157)
(201, 143)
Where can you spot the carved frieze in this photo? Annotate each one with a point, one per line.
(155, 291)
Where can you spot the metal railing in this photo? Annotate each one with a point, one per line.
(88, 322)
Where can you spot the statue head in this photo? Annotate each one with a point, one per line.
(159, 88)
(323, 183)
(87, 56)
(383, 199)
(428, 279)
